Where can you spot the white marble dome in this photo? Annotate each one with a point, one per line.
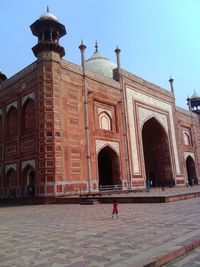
(100, 65)
(48, 16)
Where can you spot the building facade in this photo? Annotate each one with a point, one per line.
(66, 128)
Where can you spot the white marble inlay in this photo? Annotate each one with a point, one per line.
(146, 114)
(28, 162)
(13, 104)
(102, 143)
(156, 103)
(186, 154)
(10, 166)
(99, 110)
(29, 96)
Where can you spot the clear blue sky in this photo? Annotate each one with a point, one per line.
(158, 38)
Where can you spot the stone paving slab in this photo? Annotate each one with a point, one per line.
(87, 236)
(191, 259)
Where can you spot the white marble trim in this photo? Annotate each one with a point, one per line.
(10, 166)
(191, 154)
(103, 143)
(28, 162)
(29, 96)
(133, 95)
(13, 104)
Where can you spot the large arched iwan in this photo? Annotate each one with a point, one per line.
(108, 167)
(156, 154)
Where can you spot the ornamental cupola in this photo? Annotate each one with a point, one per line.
(194, 103)
(48, 30)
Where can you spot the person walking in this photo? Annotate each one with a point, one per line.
(115, 209)
(147, 184)
(163, 186)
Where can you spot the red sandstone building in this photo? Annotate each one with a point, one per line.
(66, 128)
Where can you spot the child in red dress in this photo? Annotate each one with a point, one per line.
(115, 209)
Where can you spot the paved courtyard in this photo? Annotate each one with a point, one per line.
(87, 236)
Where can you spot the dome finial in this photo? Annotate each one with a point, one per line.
(48, 9)
(96, 47)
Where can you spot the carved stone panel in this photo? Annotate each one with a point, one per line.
(102, 143)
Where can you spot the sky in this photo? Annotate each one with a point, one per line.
(157, 38)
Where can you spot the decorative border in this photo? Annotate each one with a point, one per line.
(146, 114)
(102, 143)
(30, 96)
(191, 154)
(133, 95)
(13, 104)
(28, 162)
(10, 166)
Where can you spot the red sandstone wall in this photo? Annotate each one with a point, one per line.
(74, 136)
(22, 146)
(189, 122)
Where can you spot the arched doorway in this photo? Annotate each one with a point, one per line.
(191, 172)
(108, 166)
(156, 154)
(11, 182)
(31, 183)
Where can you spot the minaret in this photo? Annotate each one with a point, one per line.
(49, 31)
(171, 81)
(194, 103)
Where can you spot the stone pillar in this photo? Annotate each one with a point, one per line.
(50, 135)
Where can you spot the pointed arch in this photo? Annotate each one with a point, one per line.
(26, 170)
(28, 114)
(191, 171)
(105, 121)
(186, 139)
(108, 167)
(29, 179)
(12, 121)
(11, 177)
(157, 156)
(156, 119)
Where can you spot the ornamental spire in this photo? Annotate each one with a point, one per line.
(96, 47)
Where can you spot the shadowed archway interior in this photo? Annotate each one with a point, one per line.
(31, 183)
(156, 154)
(108, 166)
(191, 172)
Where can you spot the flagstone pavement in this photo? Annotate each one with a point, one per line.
(87, 236)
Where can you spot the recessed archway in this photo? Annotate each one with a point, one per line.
(29, 181)
(156, 154)
(191, 172)
(108, 167)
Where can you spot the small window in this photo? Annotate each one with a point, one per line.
(105, 121)
(186, 139)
